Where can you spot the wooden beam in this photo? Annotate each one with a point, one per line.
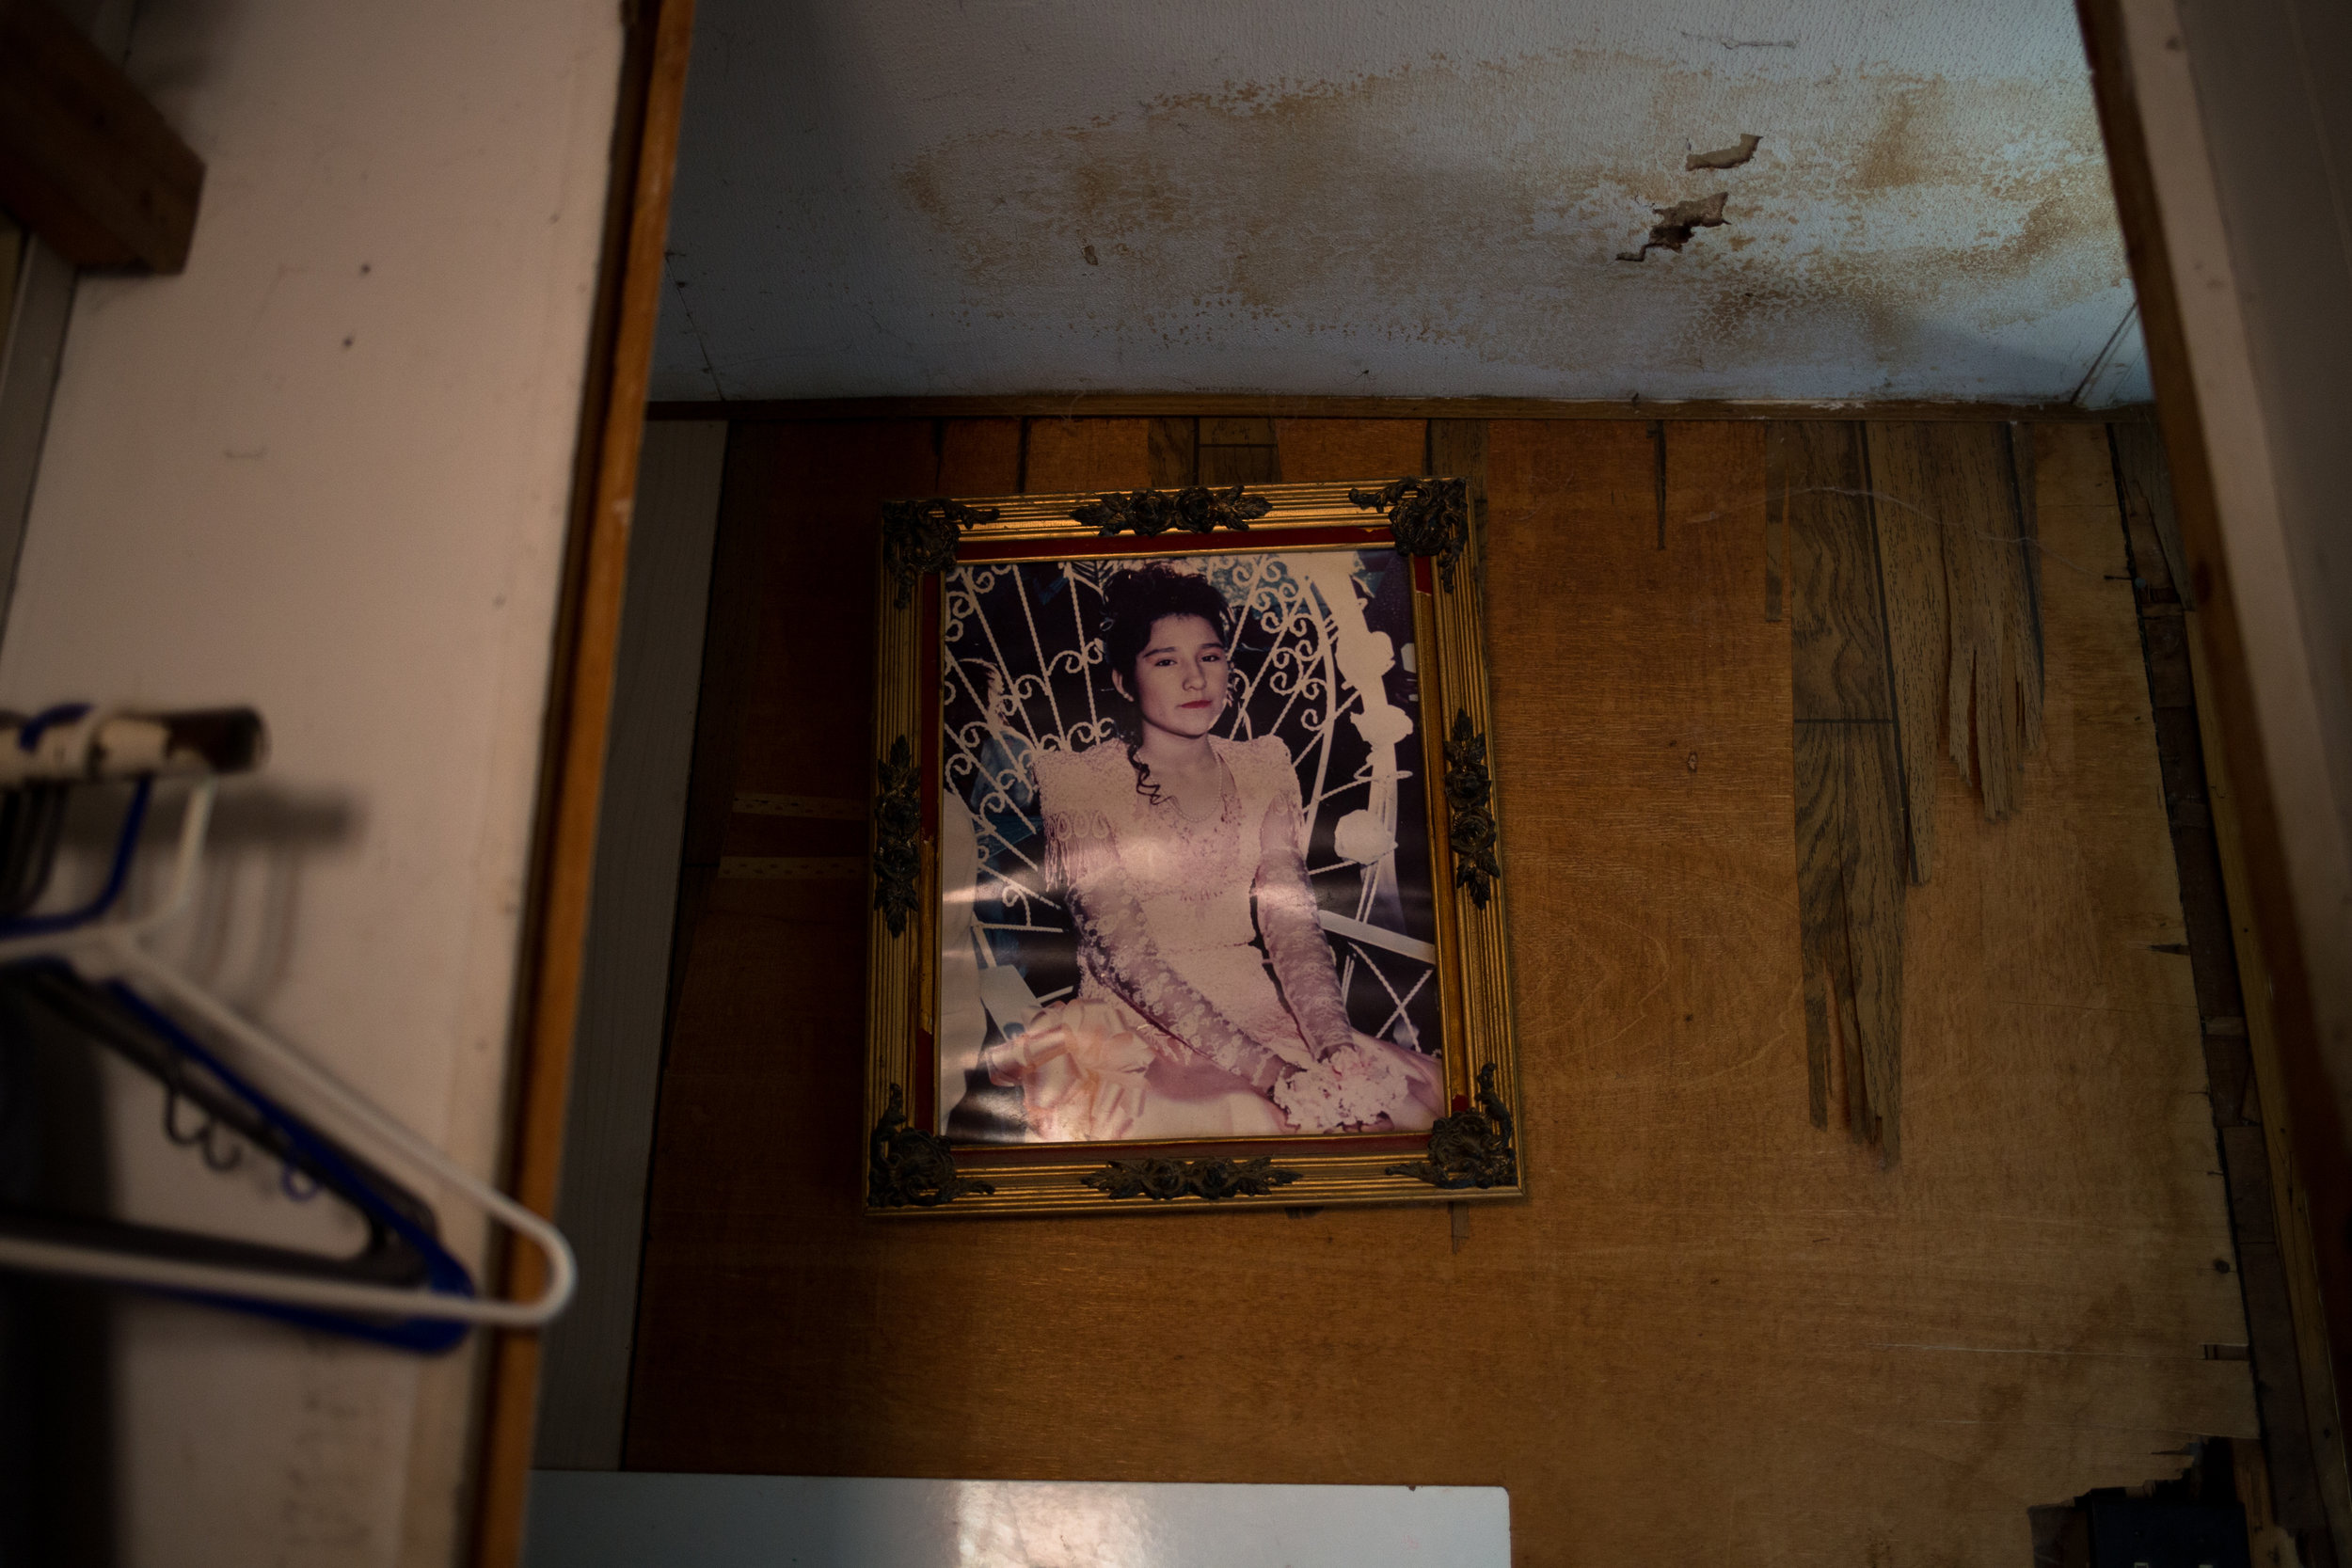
(1236, 405)
(2224, 490)
(2291, 1372)
(604, 486)
(85, 162)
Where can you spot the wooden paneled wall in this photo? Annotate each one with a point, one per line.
(1714, 1332)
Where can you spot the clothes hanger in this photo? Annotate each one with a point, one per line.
(403, 1245)
(403, 1248)
(76, 743)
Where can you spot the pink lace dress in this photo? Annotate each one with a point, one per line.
(1177, 1030)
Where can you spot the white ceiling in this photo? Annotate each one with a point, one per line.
(908, 197)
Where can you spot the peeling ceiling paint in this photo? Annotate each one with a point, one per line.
(1306, 197)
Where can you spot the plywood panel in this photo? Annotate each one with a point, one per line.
(1239, 452)
(1174, 452)
(979, 457)
(1351, 448)
(1713, 1332)
(1086, 454)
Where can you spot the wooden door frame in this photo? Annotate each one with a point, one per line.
(2199, 359)
(614, 408)
(658, 37)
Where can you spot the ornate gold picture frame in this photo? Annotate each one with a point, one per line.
(1188, 890)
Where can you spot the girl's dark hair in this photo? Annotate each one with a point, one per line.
(1135, 601)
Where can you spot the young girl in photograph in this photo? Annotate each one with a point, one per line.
(1180, 855)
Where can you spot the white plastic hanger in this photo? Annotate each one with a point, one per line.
(112, 946)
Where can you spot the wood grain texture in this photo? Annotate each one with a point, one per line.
(2292, 1494)
(1085, 455)
(1996, 673)
(1957, 558)
(2144, 484)
(1351, 449)
(1906, 462)
(2287, 1321)
(1239, 452)
(978, 457)
(86, 161)
(1457, 448)
(1221, 466)
(1776, 520)
(1174, 453)
(1218, 431)
(651, 96)
(2201, 466)
(1836, 621)
(1852, 847)
(1710, 1333)
(811, 683)
(1850, 893)
(748, 488)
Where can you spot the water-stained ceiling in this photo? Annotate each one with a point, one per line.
(1477, 197)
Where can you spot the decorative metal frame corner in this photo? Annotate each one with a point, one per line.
(1195, 509)
(1164, 1181)
(1470, 810)
(1429, 516)
(909, 1166)
(897, 835)
(1470, 1148)
(920, 537)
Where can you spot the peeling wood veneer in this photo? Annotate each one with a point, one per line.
(1917, 634)
(1850, 838)
(1956, 551)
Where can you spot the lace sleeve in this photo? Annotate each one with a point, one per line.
(1115, 943)
(1286, 920)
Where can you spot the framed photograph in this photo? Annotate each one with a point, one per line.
(1186, 886)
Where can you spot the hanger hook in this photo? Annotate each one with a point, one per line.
(171, 1120)
(212, 1156)
(287, 1183)
(202, 1138)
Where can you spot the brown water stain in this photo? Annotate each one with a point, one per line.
(1479, 208)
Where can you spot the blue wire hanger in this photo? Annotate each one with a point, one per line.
(36, 954)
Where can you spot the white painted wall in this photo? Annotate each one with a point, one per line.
(325, 472)
(1341, 197)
